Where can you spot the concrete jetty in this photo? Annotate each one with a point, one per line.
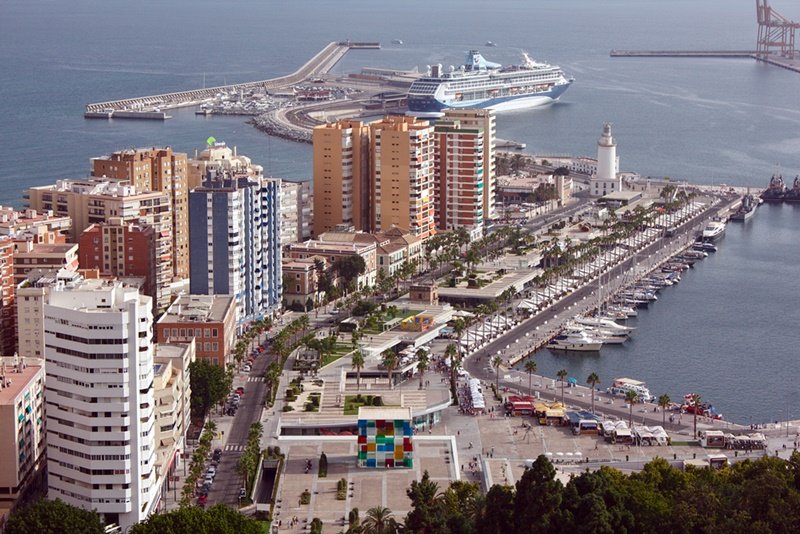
(683, 53)
(150, 107)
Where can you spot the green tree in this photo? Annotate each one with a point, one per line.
(498, 512)
(562, 377)
(316, 526)
(349, 268)
(53, 517)
(695, 403)
(389, 361)
(593, 380)
(379, 520)
(664, 402)
(219, 518)
(210, 385)
(451, 353)
(530, 367)
(425, 515)
(538, 499)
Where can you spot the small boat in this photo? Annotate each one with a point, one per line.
(713, 231)
(397, 41)
(490, 43)
(621, 387)
(576, 340)
(705, 247)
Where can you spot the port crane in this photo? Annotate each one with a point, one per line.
(776, 33)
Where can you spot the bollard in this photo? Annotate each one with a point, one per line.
(694, 455)
(626, 457)
(674, 456)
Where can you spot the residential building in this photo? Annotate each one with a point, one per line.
(343, 192)
(483, 119)
(29, 256)
(235, 241)
(172, 392)
(97, 200)
(161, 170)
(402, 150)
(46, 228)
(209, 320)
(218, 158)
(100, 401)
(607, 178)
(120, 248)
(30, 297)
(7, 290)
(332, 250)
(300, 278)
(22, 443)
(459, 176)
(296, 205)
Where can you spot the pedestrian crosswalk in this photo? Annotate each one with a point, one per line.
(234, 448)
(255, 378)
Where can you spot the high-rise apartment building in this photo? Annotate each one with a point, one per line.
(296, 206)
(161, 170)
(235, 241)
(402, 152)
(100, 400)
(7, 290)
(208, 320)
(485, 120)
(98, 200)
(30, 301)
(459, 174)
(120, 248)
(172, 392)
(342, 186)
(45, 228)
(22, 444)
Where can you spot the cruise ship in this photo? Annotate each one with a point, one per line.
(483, 84)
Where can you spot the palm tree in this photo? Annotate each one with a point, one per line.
(379, 520)
(497, 362)
(631, 397)
(530, 366)
(695, 402)
(451, 352)
(562, 375)
(358, 364)
(593, 380)
(390, 363)
(664, 401)
(422, 365)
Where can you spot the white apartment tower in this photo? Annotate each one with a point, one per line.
(607, 179)
(99, 400)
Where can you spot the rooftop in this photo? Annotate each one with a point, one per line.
(384, 412)
(199, 309)
(16, 381)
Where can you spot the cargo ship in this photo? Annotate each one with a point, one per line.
(482, 84)
(775, 191)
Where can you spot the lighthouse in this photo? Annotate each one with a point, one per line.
(606, 180)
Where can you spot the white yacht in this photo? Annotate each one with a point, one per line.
(606, 324)
(575, 341)
(713, 230)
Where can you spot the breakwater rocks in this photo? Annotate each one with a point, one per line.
(271, 125)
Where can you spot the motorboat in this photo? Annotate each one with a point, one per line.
(576, 340)
(621, 387)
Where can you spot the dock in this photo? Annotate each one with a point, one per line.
(684, 53)
(151, 107)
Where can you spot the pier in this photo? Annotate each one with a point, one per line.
(150, 107)
(685, 53)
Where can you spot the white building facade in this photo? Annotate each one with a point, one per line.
(100, 401)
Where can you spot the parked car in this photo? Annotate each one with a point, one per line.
(240, 390)
(211, 471)
(241, 492)
(209, 479)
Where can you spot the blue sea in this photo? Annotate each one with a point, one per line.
(729, 331)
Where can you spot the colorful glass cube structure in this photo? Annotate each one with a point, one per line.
(385, 437)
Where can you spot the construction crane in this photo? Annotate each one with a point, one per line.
(775, 32)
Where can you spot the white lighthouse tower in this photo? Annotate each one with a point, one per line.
(607, 179)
